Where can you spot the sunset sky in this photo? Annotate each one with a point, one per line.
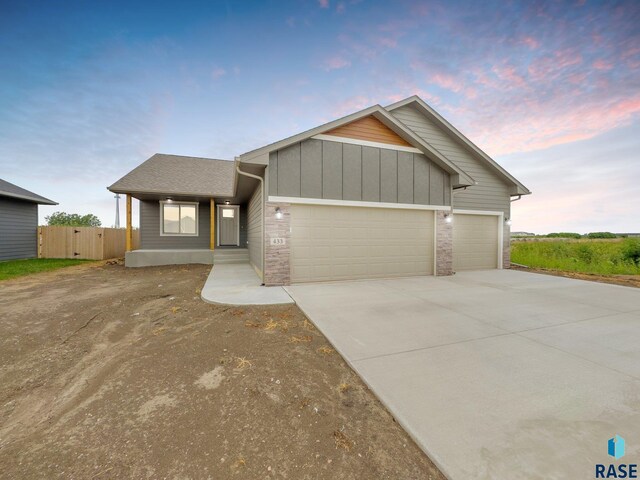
(551, 90)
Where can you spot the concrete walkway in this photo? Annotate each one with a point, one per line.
(496, 374)
(238, 284)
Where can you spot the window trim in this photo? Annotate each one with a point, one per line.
(162, 232)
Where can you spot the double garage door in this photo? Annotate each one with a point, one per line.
(346, 243)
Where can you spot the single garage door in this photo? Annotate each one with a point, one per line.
(475, 242)
(345, 243)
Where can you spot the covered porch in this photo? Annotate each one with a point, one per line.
(188, 208)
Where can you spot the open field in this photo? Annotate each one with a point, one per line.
(110, 372)
(18, 268)
(613, 257)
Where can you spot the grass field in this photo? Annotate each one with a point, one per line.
(18, 268)
(587, 256)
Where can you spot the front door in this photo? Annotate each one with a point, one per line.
(228, 222)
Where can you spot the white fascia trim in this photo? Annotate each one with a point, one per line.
(366, 143)
(477, 212)
(353, 203)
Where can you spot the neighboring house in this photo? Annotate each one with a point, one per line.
(383, 192)
(19, 221)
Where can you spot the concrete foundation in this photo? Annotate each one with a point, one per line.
(150, 258)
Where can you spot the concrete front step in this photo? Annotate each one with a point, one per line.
(230, 251)
(220, 261)
(231, 255)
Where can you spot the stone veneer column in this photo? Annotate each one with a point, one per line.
(444, 244)
(506, 246)
(276, 257)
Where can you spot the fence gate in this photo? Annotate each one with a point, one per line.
(87, 243)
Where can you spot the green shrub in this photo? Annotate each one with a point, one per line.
(601, 235)
(631, 250)
(599, 257)
(563, 235)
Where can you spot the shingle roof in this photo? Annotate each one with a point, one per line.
(178, 175)
(10, 190)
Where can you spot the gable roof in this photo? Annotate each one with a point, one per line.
(179, 175)
(459, 176)
(425, 109)
(13, 191)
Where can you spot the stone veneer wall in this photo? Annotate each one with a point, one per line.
(444, 244)
(276, 257)
(506, 247)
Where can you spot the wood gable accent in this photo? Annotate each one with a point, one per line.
(370, 129)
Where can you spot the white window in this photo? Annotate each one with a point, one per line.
(178, 218)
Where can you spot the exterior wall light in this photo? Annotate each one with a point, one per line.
(226, 202)
(507, 222)
(448, 218)
(169, 199)
(278, 213)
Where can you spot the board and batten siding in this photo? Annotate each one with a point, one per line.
(491, 192)
(254, 231)
(341, 171)
(18, 229)
(150, 238)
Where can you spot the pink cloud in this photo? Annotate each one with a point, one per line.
(447, 81)
(323, 3)
(509, 75)
(535, 127)
(335, 63)
(350, 105)
(453, 83)
(550, 66)
(531, 42)
(218, 72)
(601, 64)
(388, 42)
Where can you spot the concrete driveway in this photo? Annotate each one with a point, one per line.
(496, 374)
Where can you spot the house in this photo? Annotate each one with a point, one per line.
(382, 192)
(19, 221)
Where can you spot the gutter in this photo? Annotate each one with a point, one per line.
(257, 177)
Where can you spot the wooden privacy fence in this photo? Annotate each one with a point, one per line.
(91, 243)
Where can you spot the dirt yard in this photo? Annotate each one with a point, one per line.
(114, 373)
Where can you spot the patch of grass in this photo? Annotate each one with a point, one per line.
(342, 441)
(243, 363)
(19, 268)
(326, 350)
(300, 339)
(597, 257)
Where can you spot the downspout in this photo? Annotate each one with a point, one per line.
(257, 177)
(515, 200)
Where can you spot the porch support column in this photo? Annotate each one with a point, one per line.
(129, 233)
(212, 229)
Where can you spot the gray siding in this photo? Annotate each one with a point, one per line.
(342, 171)
(255, 228)
(18, 229)
(151, 239)
(491, 193)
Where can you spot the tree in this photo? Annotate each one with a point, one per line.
(72, 220)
